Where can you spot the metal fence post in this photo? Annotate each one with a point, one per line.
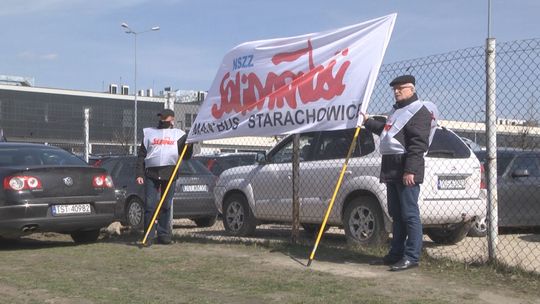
(295, 232)
(491, 131)
(86, 133)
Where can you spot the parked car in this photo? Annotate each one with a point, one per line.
(218, 163)
(518, 178)
(472, 144)
(95, 160)
(193, 198)
(47, 189)
(451, 195)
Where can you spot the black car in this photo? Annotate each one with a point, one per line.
(47, 189)
(218, 163)
(95, 160)
(193, 197)
(518, 179)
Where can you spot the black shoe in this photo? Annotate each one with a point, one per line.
(386, 260)
(403, 264)
(165, 239)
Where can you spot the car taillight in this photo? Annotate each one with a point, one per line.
(102, 181)
(210, 164)
(482, 177)
(22, 182)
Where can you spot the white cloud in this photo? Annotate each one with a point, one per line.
(26, 55)
(48, 57)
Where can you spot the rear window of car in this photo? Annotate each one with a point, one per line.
(446, 144)
(38, 156)
(191, 167)
(219, 163)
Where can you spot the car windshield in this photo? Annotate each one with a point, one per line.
(38, 156)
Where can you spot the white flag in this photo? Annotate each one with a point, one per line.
(319, 81)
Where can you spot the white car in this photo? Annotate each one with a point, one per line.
(451, 197)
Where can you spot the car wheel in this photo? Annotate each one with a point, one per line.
(313, 229)
(205, 221)
(135, 213)
(238, 219)
(89, 236)
(363, 222)
(449, 235)
(479, 228)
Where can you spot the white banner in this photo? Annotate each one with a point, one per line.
(312, 82)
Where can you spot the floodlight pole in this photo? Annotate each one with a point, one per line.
(491, 144)
(135, 114)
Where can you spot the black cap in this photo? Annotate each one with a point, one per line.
(403, 80)
(165, 113)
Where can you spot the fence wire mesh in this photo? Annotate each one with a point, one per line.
(253, 198)
(257, 201)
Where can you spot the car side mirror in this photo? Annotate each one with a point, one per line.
(261, 158)
(521, 173)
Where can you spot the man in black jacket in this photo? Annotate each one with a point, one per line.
(157, 158)
(404, 139)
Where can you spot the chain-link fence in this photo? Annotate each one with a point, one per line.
(257, 202)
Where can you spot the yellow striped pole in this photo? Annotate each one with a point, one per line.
(340, 179)
(164, 195)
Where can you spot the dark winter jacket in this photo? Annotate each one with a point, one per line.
(414, 136)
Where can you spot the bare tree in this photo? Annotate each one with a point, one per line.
(124, 137)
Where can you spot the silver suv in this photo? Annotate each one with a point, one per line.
(451, 195)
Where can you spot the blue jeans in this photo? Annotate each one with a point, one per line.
(153, 196)
(406, 226)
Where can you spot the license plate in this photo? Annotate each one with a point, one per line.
(451, 183)
(71, 209)
(194, 188)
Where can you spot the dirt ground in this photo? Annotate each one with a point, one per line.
(269, 264)
(414, 281)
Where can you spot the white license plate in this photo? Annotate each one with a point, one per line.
(194, 188)
(451, 183)
(71, 209)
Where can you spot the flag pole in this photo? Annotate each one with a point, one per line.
(164, 195)
(323, 225)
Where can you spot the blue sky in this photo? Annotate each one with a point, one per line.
(79, 44)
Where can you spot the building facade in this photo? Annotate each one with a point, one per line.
(56, 116)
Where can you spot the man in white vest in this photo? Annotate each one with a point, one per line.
(158, 154)
(404, 139)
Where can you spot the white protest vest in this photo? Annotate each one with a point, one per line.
(161, 146)
(398, 119)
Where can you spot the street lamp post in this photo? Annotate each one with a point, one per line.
(130, 31)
